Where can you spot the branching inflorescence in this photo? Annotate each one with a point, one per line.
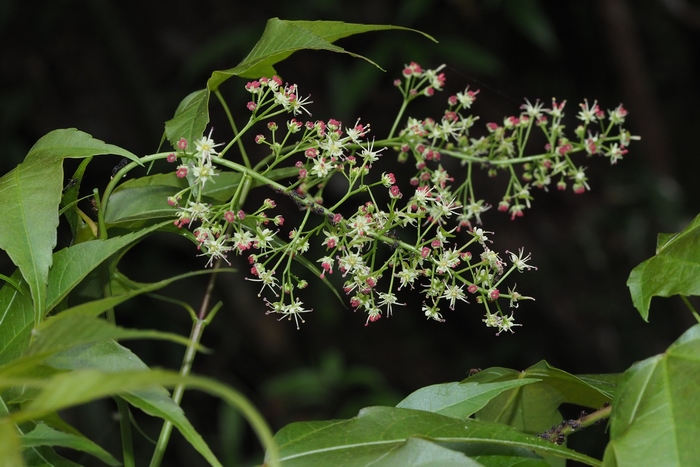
(428, 230)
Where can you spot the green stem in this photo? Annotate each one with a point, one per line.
(113, 184)
(404, 104)
(125, 431)
(204, 316)
(185, 369)
(122, 407)
(691, 308)
(241, 148)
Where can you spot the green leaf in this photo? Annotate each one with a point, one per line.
(29, 198)
(10, 451)
(64, 331)
(43, 435)
(16, 319)
(80, 386)
(10, 281)
(44, 456)
(459, 400)
(282, 38)
(140, 203)
(656, 410)
(145, 198)
(74, 263)
(110, 357)
(534, 408)
(674, 270)
(54, 334)
(606, 383)
(190, 119)
(71, 266)
(420, 452)
(378, 431)
(73, 144)
(99, 306)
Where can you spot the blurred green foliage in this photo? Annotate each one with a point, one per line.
(118, 71)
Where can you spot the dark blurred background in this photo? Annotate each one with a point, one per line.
(118, 70)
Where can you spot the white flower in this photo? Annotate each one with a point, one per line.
(534, 111)
(388, 299)
(263, 239)
(321, 168)
(447, 260)
(204, 173)
(215, 248)
(587, 113)
(205, 148)
(294, 310)
(466, 98)
(454, 293)
(267, 277)
(197, 211)
(480, 235)
(350, 262)
(432, 313)
(475, 208)
(369, 155)
(407, 276)
(519, 261)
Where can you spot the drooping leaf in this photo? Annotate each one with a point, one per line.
(14, 453)
(71, 265)
(80, 386)
(459, 400)
(96, 307)
(62, 332)
(378, 431)
(280, 39)
(74, 263)
(674, 270)
(29, 198)
(73, 144)
(43, 435)
(44, 456)
(111, 357)
(55, 332)
(655, 414)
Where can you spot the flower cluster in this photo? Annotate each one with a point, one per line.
(424, 235)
